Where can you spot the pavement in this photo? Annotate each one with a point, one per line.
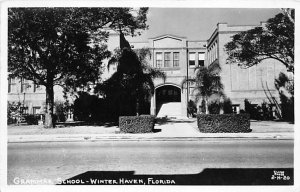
(216, 162)
(171, 129)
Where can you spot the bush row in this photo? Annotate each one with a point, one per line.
(34, 119)
(224, 123)
(136, 124)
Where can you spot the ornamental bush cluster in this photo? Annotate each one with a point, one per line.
(13, 112)
(136, 124)
(32, 119)
(260, 112)
(224, 123)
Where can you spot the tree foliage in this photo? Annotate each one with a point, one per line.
(130, 87)
(275, 40)
(64, 46)
(207, 83)
(285, 88)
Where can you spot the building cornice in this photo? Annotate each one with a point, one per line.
(168, 35)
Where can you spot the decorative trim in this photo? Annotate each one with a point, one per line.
(165, 84)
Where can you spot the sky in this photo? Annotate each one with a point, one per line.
(199, 23)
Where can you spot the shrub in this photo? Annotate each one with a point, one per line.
(224, 123)
(287, 108)
(227, 106)
(192, 108)
(250, 109)
(136, 124)
(32, 119)
(13, 112)
(259, 112)
(60, 111)
(214, 107)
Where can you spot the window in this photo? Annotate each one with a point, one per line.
(201, 58)
(236, 109)
(36, 110)
(191, 90)
(235, 54)
(216, 50)
(192, 59)
(167, 59)
(24, 85)
(176, 59)
(37, 88)
(11, 85)
(158, 60)
(24, 110)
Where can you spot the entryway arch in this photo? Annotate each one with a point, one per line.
(168, 100)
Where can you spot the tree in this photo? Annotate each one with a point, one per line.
(64, 46)
(132, 83)
(207, 83)
(275, 40)
(285, 88)
(290, 13)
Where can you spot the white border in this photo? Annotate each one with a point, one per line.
(139, 3)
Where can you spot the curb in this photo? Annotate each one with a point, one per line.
(140, 137)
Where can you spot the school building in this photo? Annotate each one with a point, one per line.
(177, 57)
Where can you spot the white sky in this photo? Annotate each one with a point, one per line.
(199, 23)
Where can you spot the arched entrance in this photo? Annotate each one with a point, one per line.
(168, 100)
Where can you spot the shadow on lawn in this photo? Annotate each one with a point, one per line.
(209, 176)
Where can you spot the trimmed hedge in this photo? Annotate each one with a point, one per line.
(224, 123)
(136, 124)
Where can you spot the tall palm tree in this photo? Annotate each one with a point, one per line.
(207, 83)
(133, 80)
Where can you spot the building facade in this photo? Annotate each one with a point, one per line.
(178, 57)
(32, 97)
(257, 83)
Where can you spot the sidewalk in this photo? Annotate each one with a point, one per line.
(172, 129)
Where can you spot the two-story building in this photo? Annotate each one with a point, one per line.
(256, 83)
(178, 57)
(32, 97)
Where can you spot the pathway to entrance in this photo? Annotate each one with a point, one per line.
(168, 101)
(176, 127)
(171, 109)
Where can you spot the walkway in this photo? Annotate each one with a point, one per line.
(165, 129)
(176, 127)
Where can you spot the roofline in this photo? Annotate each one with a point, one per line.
(197, 41)
(166, 35)
(217, 29)
(138, 41)
(213, 34)
(261, 23)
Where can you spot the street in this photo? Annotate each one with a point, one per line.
(64, 160)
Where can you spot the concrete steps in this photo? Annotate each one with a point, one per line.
(171, 109)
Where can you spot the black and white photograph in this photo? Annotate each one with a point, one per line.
(123, 95)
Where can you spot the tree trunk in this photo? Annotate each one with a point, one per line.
(137, 103)
(221, 106)
(206, 106)
(49, 123)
